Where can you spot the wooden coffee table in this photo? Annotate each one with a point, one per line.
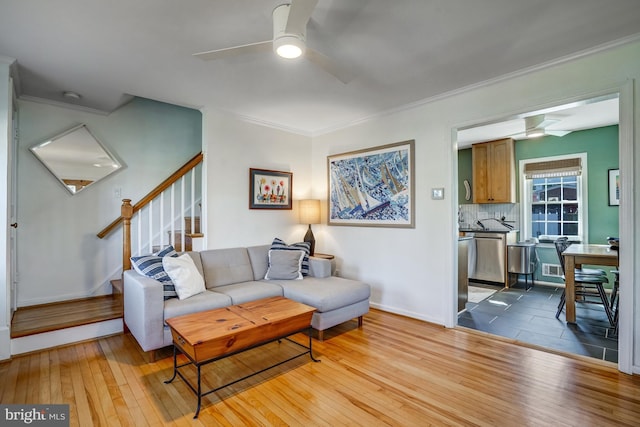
(215, 334)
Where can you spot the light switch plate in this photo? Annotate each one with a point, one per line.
(437, 193)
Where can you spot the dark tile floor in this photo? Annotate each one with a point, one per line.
(529, 316)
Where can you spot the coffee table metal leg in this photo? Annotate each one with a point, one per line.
(199, 394)
(310, 333)
(175, 365)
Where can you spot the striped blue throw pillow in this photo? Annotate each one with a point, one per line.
(279, 244)
(168, 251)
(151, 266)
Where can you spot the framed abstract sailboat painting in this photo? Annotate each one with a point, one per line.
(373, 187)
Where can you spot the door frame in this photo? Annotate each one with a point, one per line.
(625, 91)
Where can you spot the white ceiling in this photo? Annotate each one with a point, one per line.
(587, 114)
(402, 51)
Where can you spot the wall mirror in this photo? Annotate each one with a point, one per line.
(76, 158)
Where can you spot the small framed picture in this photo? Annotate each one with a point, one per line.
(270, 189)
(614, 187)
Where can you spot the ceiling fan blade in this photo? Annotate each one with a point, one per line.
(327, 64)
(557, 132)
(258, 47)
(299, 13)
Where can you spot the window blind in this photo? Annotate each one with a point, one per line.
(553, 168)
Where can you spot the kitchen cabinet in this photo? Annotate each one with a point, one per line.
(494, 172)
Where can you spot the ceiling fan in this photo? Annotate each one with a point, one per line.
(289, 40)
(536, 126)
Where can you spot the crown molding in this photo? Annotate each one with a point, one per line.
(63, 105)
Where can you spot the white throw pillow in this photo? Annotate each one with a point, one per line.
(185, 275)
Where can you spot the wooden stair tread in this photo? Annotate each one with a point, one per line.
(41, 318)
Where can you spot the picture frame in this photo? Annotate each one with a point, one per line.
(614, 187)
(269, 189)
(373, 187)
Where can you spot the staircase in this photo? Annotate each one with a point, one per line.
(48, 325)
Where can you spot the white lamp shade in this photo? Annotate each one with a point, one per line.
(309, 211)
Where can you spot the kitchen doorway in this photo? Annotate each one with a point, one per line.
(532, 325)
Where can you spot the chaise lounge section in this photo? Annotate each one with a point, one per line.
(235, 276)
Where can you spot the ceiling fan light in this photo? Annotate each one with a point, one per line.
(289, 47)
(535, 133)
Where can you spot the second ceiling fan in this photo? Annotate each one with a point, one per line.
(289, 40)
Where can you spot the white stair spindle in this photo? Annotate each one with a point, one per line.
(193, 200)
(173, 215)
(181, 216)
(150, 226)
(162, 220)
(139, 232)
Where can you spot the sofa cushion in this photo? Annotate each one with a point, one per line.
(327, 293)
(285, 265)
(226, 266)
(184, 274)
(207, 300)
(250, 291)
(259, 256)
(280, 245)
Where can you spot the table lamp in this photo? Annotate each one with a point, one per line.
(310, 214)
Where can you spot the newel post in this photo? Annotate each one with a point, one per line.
(126, 211)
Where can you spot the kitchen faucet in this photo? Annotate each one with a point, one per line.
(500, 221)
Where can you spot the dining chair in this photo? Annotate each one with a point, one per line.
(589, 288)
(615, 300)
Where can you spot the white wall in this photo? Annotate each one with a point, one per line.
(412, 271)
(59, 255)
(232, 147)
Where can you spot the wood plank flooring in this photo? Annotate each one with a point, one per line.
(394, 371)
(37, 319)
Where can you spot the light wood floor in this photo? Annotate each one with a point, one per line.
(393, 371)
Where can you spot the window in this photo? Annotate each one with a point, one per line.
(554, 202)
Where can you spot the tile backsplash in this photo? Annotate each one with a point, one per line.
(469, 214)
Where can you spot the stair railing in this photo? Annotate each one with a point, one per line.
(157, 196)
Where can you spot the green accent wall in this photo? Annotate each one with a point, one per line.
(465, 171)
(601, 146)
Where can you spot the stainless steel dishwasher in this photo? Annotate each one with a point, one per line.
(487, 258)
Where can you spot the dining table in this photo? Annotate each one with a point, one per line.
(575, 256)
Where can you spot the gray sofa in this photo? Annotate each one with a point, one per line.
(235, 276)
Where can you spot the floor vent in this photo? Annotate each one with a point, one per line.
(553, 270)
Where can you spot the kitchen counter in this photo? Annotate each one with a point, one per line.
(480, 230)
